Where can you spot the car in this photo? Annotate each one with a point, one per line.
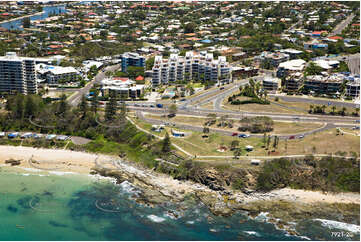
(234, 134)
(37, 136)
(136, 105)
(2, 134)
(62, 137)
(243, 135)
(301, 136)
(50, 136)
(13, 135)
(292, 137)
(152, 106)
(159, 105)
(26, 135)
(356, 127)
(221, 88)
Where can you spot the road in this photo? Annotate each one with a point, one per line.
(74, 99)
(316, 101)
(338, 29)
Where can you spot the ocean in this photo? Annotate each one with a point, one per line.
(35, 205)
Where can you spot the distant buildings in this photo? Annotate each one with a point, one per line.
(17, 74)
(192, 66)
(132, 59)
(123, 87)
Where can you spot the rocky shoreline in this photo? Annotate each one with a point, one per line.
(283, 210)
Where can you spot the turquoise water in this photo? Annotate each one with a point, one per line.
(41, 206)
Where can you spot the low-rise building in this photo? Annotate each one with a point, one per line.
(353, 88)
(121, 86)
(271, 84)
(274, 58)
(293, 82)
(288, 67)
(319, 84)
(57, 74)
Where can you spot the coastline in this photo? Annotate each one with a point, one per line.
(21, 17)
(83, 162)
(284, 206)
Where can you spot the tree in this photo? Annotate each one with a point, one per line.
(313, 69)
(264, 139)
(234, 144)
(189, 28)
(94, 102)
(172, 110)
(323, 108)
(149, 63)
(26, 22)
(268, 141)
(123, 110)
(343, 111)
(237, 152)
(111, 107)
(29, 107)
(311, 108)
(333, 108)
(63, 106)
(166, 144)
(205, 130)
(83, 106)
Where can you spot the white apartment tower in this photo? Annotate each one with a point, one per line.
(192, 66)
(17, 74)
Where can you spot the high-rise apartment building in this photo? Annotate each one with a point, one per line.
(200, 66)
(17, 74)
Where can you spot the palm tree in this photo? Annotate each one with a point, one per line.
(323, 108)
(311, 108)
(333, 109)
(343, 111)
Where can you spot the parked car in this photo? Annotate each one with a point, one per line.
(234, 134)
(2, 134)
(37, 136)
(243, 135)
(50, 136)
(356, 127)
(62, 137)
(26, 135)
(292, 137)
(301, 136)
(13, 135)
(152, 106)
(159, 105)
(221, 88)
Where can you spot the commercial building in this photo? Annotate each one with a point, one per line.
(123, 87)
(17, 74)
(192, 66)
(271, 84)
(132, 59)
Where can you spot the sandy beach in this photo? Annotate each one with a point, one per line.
(82, 162)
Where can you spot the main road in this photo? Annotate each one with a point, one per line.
(76, 97)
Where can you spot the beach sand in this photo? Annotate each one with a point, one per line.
(82, 162)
